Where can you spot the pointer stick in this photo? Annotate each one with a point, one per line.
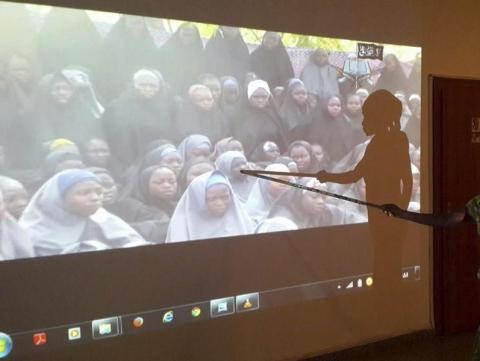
(261, 174)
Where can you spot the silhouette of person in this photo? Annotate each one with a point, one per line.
(385, 168)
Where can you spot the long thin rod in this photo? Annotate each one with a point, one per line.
(261, 174)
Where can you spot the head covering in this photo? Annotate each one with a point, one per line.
(289, 205)
(63, 144)
(276, 224)
(67, 180)
(155, 156)
(55, 230)
(145, 76)
(314, 164)
(216, 178)
(255, 85)
(191, 142)
(14, 240)
(80, 79)
(182, 176)
(259, 201)
(54, 158)
(229, 82)
(142, 193)
(191, 220)
(224, 161)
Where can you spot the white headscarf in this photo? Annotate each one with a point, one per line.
(191, 220)
(54, 230)
(146, 76)
(254, 85)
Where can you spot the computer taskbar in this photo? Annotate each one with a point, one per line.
(28, 342)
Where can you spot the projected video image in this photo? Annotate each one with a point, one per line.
(133, 131)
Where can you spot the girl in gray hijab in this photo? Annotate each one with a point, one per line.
(319, 76)
(65, 215)
(195, 145)
(307, 209)
(264, 193)
(14, 241)
(208, 209)
(230, 163)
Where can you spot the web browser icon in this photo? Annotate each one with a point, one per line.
(6, 345)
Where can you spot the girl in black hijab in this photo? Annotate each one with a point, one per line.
(127, 48)
(149, 208)
(296, 110)
(331, 129)
(392, 77)
(144, 113)
(307, 209)
(302, 154)
(59, 111)
(227, 53)
(270, 61)
(258, 121)
(69, 37)
(182, 58)
(199, 114)
(353, 114)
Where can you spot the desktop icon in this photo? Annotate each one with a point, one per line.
(248, 302)
(137, 322)
(222, 306)
(369, 281)
(106, 327)
(168, 317)
(39, 339)
(196, 312)
(74, 333)
(6, 345)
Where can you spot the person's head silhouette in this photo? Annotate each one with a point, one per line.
(381, 113)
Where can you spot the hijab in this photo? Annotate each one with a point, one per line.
(227, 55)
(314, 166)
(242, 186)
(273, 65)
(124, 53)
(14, 241)
(132, 121)
(259, 201)
(320, 80)
(295, 115)
(191, 220)
(395, 80)
(289, 205)
(182, 63)
(55, 230)
(190, 143)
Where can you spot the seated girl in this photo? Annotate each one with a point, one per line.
(66, 216)
(208, 209)
(149, 208)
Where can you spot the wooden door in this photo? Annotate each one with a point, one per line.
(456, 179)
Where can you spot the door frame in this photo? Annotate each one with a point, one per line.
(436, 192)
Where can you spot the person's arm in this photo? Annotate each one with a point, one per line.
(428, 219)
(342, 178)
